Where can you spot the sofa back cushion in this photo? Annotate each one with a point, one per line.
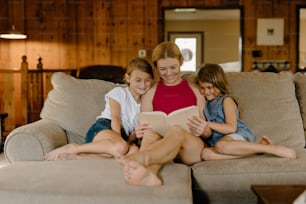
(74, 103)
(268, 105)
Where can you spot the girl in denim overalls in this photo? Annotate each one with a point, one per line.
(225, 134)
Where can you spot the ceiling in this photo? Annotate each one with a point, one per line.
(209, 14)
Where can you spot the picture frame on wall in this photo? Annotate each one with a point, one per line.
(191, 46)
(270, 31)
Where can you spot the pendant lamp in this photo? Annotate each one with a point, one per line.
(13, 34)
(14, 9)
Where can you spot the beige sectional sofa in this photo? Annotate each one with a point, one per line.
(271, 104)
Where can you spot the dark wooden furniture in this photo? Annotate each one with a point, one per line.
(111, 73)
(275, 194)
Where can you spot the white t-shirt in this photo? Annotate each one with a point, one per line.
(129, 107)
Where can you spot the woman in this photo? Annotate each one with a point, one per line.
(169, 94)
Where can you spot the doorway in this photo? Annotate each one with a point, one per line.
(217, 32)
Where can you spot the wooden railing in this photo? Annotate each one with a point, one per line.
(23, 91)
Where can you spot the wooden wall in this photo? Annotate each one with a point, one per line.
(74, 33)
(69, 34)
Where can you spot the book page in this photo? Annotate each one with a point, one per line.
(180, 117)
(156, 119)
(160, 122)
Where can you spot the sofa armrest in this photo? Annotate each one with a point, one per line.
(32, 141)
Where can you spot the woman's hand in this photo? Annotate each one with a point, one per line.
(141, 128)
(132, 138)
(197, 124)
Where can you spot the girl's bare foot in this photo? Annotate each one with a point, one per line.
(284, 152)
(265, 140)
(278, 150)
(137, 174)
(67, 156)
(52, 155)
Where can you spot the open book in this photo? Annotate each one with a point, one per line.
(161, 122)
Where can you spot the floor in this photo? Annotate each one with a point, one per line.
(3, 162)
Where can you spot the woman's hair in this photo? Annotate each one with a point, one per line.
(214, 74)
(164, 50)
(139, 64)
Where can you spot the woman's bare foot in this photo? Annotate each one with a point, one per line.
(132, 149)
(53, 155)
(137, 174)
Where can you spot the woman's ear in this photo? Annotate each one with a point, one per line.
(181, 60)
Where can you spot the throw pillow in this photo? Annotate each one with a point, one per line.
(268, 105)
(74, 103)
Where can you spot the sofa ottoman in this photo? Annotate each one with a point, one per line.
(90, 181)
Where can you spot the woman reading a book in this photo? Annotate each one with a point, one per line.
(227, 139)
(171, 93)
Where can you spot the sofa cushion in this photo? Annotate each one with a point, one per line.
(300, 83)
(229, 181)
(268, 105)
(74, 103)
(90, 181)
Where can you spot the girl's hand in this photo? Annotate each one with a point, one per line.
(141, 128)
(197, 124)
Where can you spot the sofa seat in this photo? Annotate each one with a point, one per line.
(88, 181)
(218, 181)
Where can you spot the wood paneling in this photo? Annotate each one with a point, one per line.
(69, 34)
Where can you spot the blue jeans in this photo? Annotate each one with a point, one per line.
(100, 124)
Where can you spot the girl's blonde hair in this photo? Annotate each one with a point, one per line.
(139, 64)
(166, 49)
(214, 74)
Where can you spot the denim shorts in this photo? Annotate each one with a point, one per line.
(99, 125)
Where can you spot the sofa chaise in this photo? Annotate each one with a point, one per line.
(272, 104)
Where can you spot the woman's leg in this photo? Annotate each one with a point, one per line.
(135, 172)
(142, 167)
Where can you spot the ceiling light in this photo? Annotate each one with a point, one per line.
(185, 10)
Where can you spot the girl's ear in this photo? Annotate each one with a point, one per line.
(127, 78)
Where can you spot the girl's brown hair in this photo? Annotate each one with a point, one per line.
(166, 49)
(214, 74)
